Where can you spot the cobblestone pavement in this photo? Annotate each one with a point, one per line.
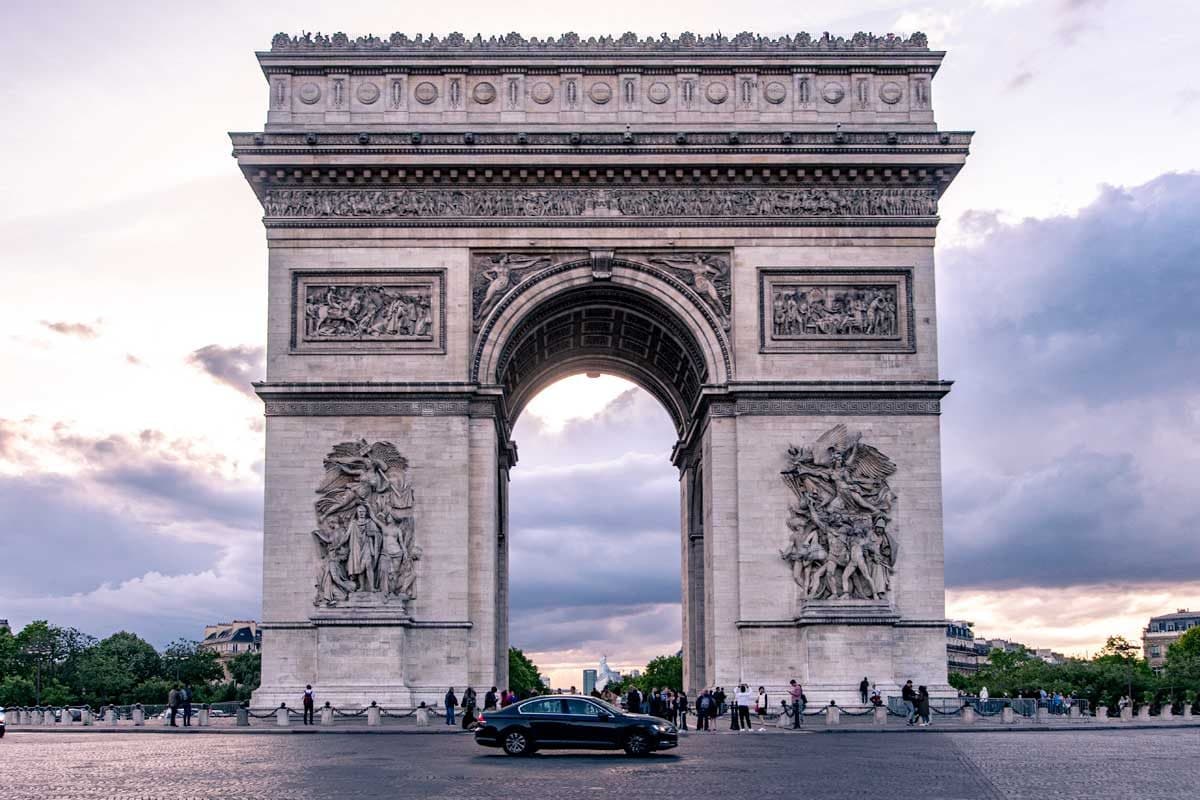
(1099, 764)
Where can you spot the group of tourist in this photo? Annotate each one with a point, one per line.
(492, 700)
(180, 699)
(916, 704)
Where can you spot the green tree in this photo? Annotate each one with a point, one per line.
(16, 690)
(185, 662)
(662, 671)
(1183, 665)
(246, 669)
(523, 677)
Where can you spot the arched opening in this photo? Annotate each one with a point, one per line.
(657, 338)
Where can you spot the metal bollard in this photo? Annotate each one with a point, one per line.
(968, 715)
(373, 714)
(139, 716)
(110, 715)
(833, 715)
(86, 717)
(281, 715)
(879, 717)
(202, 717)
(243, 716)
(50, 719)
(327, 714)
(1007, 716)
(67, 718)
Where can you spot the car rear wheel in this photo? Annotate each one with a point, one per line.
(637, 744)
(518, 743)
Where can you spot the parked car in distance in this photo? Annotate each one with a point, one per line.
(573, 722)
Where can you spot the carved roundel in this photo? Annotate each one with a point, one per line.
(309, 93)
(775, 93)
(658, 93)
(367, 93)
(890, 93)
(483, 93)
(600, 93)
(716, 93)
(542, 93)
(833, 92)
(425, 93)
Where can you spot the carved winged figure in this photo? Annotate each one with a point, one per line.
(500, 278)
(704, 272)
(365, 525)
(840, 546)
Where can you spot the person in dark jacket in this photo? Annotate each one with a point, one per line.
(186, 697)
(468, 705)
(909, 698)
(681, 709)
(704, 708)
(489, 700)
(451, 701)
(923, 706)
(864, 689)
(633, 701)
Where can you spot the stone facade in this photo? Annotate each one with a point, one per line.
(743, 226)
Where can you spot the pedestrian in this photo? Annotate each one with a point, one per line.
(186, 697)
(489, 700)
(876, 697)
(681, 708)
(719, 696)
(744, 699)
(308, 704)
(864, 686)
(173, 703)
(633, 701)
(909, 697)
(923, 706)
(983, 699)
(796, 692)
(760, 707)
(451, 701)
(468, 705)
(505, 698)
(703, 708)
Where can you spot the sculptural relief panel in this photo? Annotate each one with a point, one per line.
(836, 310)
(841, 545)
(368, 311)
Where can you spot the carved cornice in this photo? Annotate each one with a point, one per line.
(570, 43)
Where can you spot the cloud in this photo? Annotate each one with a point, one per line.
(1072, 437)
(1075, 17)
(76, 329)
(142, 532)
(1020, 80)
(233, 366)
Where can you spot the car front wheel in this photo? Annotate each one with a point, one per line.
(518, 743)
(637, 744)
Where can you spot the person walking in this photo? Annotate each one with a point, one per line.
(923, 706)
(451, 701)
(744, 700)
(308, 704)
(760, 707)
(681, 709)
(173, 703)
(186, 697)
(489, 700)
(864, 687)
(468, 705)
(909, 697)
(796, 692)
(703, 708)
(983, 699)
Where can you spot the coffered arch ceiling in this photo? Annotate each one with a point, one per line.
(613, 329)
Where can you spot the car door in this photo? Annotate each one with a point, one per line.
(545, 719)
(589, 725)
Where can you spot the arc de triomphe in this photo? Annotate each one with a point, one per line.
(743, 226)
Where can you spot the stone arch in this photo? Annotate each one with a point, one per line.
(631, 319)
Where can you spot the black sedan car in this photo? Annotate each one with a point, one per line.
(569, 721)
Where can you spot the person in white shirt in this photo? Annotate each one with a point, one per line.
(743, 698)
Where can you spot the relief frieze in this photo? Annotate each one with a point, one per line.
(591, 203)
(367, 311)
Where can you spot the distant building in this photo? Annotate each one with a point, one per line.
(1162, 632)
(229, 639)
(589, 681)
(545, 679)
(984, 648)
(4, 626)
(961, 655)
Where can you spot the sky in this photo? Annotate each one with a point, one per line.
(134, 273)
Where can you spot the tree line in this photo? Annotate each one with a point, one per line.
(1117, 671)
(48, 665)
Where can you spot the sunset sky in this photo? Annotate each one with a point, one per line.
(134, 269)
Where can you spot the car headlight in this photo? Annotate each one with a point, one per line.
(664, 728)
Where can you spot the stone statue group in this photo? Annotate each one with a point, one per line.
(365, 527)
(839, 547)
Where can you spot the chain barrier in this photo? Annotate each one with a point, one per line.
(268, 715)
(397, 715)
(849, 713)
(337, 712)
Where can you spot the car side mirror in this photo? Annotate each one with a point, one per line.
(605, 716)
